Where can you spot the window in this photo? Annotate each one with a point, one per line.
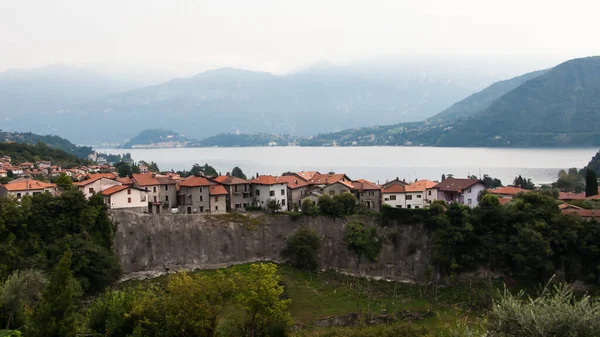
(91, 190)
(128, 191)
(392, 197)
(469, 201)
(257, 192)
(469, 190)
(386, 199)
(238, 206)
(418, 196)
(416, 206)
(399, 206)
(271, 193)
(409, 197)
(216, 208)
(282, 191)
(371, 194)
(18, 195)
(200, 189)
(36, 193)
(154, 198)
(129, 200)
(154, 189)
(201, 209)
(166, 198)
(332, 192)
(429, 192)
(216, 198)
(235, 188)
(201, 198)
(246, 195)
(407, 206)
(283, 202)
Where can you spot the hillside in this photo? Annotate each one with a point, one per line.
(51, 141)
(479, 101)
(32, 153)
(156, 138)
(233, 101)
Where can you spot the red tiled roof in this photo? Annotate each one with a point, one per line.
(95, 177)
(394, 189)
(145, 179)
(306, 175)
(114, 189)
(364, 185)
(293, 182)
(326, 179)
(217, 190)
(571, 196)
(420, 186)
(101, 175)
(28, 184)
(230, 180)
(125, 181)
(193, 181)
(267, 180)
(507, 190)
(455, 184)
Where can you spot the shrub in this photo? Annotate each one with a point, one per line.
(309, 207)
(273, 205)
(302, 248)
(365, 242)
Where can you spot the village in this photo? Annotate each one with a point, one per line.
(169, 193)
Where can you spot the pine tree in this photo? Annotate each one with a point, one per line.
(443, 177)
(591, 183)
(56, 313)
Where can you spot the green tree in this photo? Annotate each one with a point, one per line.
(124, 169)
(237, 172)
(20, 291)
(346, 202)
(591, 183)
(64, 182)
(55, 315)
(302, 248)
(273, 205)
(309, 207)
(363, 241)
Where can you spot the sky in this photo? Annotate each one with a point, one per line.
(183, 37)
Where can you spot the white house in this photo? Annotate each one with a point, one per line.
(22, 187)
(267, 188)
(96, 184)
(416, 194)
(43, 164)
(462, 191)
(394, 196)
(122, 196)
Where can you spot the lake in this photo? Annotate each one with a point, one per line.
(377, 164)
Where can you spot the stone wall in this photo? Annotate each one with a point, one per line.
(147, 243)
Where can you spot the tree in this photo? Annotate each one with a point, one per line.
(22, 289)
(55, 315)
(490, 182)
(302, 248)
(363, 241)
(237, 172)
(591, 183)
(346, 202)
(10, 174)
(273, 205)
(523, 183)
(205, 170)
(64, 182)
(329, 206)
(443, 177)
(124, 169)
(309, 207)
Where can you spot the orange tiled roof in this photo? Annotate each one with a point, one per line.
(28, 184)
(125, 181)
(293, 182)
(507, 190)
(364, 185)
(94, 177)
(571, 196)
(114, 189)
(326, 179)
(394, 189)
(230, 180)
(306, 175)
(145, 179)
(194, 181)
(420, 186)
(267, 180)
(217, 190)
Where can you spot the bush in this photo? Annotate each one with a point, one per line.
(365, 242)
(253, 208)
(302, 248)
(338, 205)
(309, 207)
(273, 205)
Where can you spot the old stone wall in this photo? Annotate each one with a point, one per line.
(165, 242)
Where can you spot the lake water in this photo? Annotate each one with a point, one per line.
(377, 164)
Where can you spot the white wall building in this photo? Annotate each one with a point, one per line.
(121, 196)
(462, 191)
(95, 185)
(267, 188)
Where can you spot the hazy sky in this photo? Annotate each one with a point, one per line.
(280, 36)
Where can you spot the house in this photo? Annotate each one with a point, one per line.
(144, 169)
(26, 165)
(568, 196)
(420, 194)
(394, 196)
(462, 191)
(296, 188)
(22, 187)
(265, 188)
(5, 159)
(3, 173)
(218, 199)
(585, 214)
(43, 164)
(506, 192)
(126, 197)
(391, 183)
(239, 190)
(194, 195)
(96, 183)
(305, 175)
(368, 194)
(162, 191)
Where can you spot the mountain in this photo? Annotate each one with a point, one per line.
(554, 107)
(31, 99)
(54, 142)
(479, 101)
(228, 100)
(157, 138)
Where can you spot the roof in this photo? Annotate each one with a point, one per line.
(584, 213)
(230, 180)
(420, 186)
(364, 185)
(306, 175)
(571, 196)
(101, 175)
(217, 190)
(164, 180)
(507, 190)
(325, 179)
(150, 179)
(95, 178)
(114, 189)
(267, 180)
(293, 182)
(194, 181)
(28, 184)
(125, 180)
(456, 185)
(395, 188)
(504, 201)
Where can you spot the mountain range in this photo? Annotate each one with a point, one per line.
(318, 99)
